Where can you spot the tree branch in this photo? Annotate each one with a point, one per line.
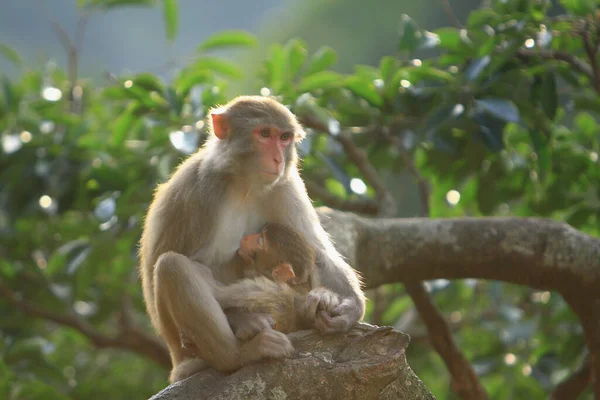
(573, 61)
(450, 13)
(464, 379)
(331, 200)
(537, 252)
(386, 201)
(592, 53)
(574, 385)
(131, 338)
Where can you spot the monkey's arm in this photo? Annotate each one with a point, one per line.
(263, 296)
(333, 313)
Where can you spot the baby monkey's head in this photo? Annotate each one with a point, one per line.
(279, 253)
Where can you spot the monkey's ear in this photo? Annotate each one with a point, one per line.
(283, 273)
(220, 124)
(300, 135)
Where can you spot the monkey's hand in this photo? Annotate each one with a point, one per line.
(267, 344)
(327, 313)
(246, 325)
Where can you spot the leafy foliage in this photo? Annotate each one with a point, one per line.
(506, 115)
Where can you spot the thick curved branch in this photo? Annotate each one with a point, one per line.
(536, 252)
(130, 338)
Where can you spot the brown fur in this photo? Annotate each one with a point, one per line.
(262, 295)
(195, 222)
(284, 245)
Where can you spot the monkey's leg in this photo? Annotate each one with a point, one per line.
(185, 300)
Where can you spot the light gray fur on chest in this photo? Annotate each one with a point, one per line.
(235, 221)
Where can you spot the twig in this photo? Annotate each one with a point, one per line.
(387, 203)
(72, 48)
(131, 338)
(592, 53)
(573, 61)
(451, 14)
(409, 164)
(574, 385)
(380, 304)
(331, 200)
(464, 379)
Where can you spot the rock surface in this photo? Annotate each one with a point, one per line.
(367, 362)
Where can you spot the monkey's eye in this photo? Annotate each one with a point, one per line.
(261, 241)
(285, 136)
(264, 133)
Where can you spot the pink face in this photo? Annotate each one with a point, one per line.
(272, 144)
(250, 244)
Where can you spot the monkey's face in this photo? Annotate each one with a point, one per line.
(273, 145)
(259, 133)
(250, 245)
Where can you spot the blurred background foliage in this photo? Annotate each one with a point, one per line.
(497, 110)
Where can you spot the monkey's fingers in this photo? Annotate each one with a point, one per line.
(345, 307)
(328, 324)
(252, 325)
(274, 344)
(322, 322)
(310, 306)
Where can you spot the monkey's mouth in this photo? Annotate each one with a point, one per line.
(269, 173)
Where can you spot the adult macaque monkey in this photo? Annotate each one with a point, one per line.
(244, 176)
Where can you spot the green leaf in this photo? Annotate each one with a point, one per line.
(579, 7)
(123, 124)
(365, 90)
(187, 81)
(586, 124)
(449, 38)
(542, 149)
(218, 65)
(475, 69)
(10, 54)
(579, 217)
(410, 35)
(491, 130)
(439, 116)
(544, 91)
(321, 80)
(228, 38)
(7, 270)
(295, 55)
(107, 4)
(11, 94)
(276, 67)
(171, 18)
(479, 18)
(324, 58)
(386, 67)
(148, 82)
(503, 109)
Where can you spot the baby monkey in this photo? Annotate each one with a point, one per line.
(278, 253)
(278, 262)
